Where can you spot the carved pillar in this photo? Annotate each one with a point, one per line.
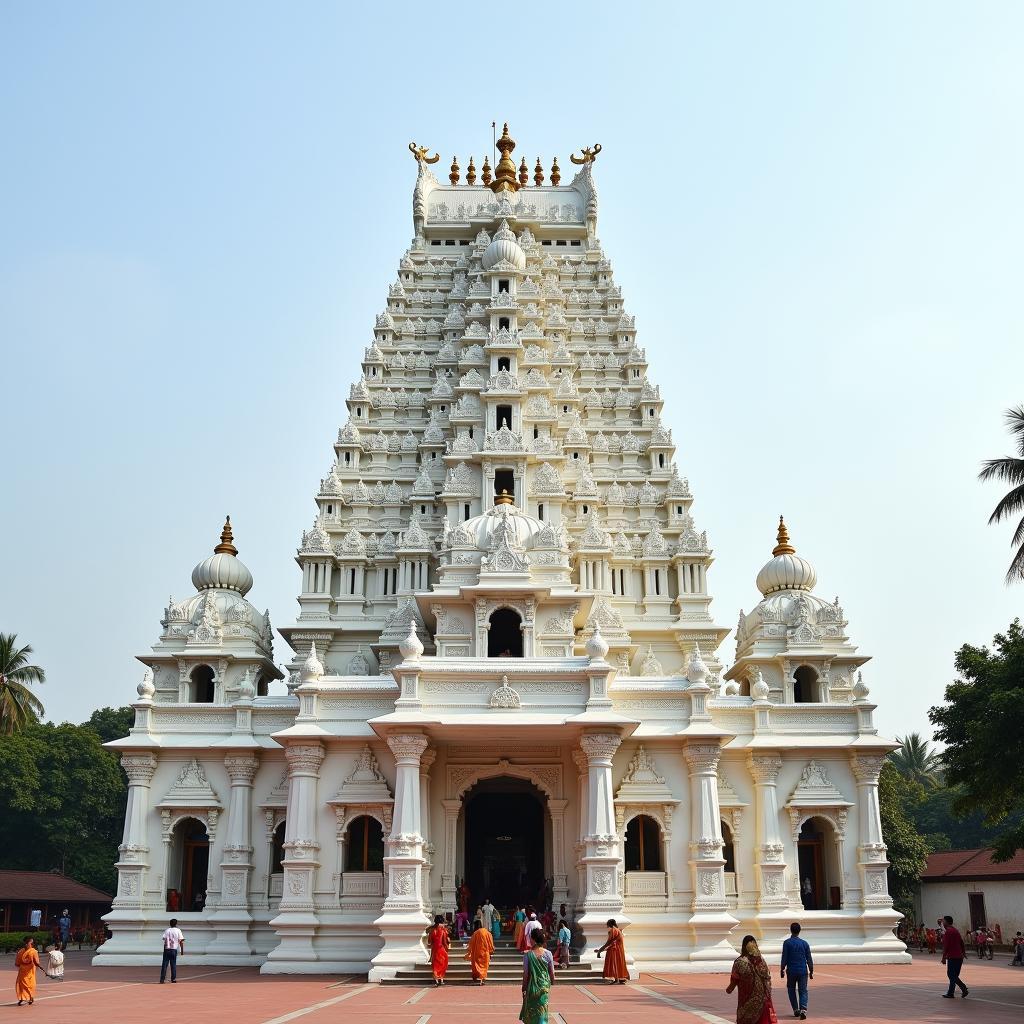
(451, 834)
(426, 761)
(872, 861)
(579, 847)
(340, 836)
(132, 853)
(707, 865)
(297, 920)
(236, 864)
(560, 889)
(770, 864)
(602, 856)
(403, 920)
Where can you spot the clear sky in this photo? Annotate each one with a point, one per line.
(814, 211)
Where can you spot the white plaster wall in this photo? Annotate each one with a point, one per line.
(1004, 903)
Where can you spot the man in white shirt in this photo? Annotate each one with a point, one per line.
(487, 913)
(174, 943)
(531, 926)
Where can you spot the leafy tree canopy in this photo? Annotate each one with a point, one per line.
(111, 723)
(915, 760)
(18, 704)
(980, 725)
(908, 852)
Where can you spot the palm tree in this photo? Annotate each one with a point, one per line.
(915, 760)
(1010, 470)
(18, 704)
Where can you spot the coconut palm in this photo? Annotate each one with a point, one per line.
(915, 760)
(1010, 470)
(18, 704)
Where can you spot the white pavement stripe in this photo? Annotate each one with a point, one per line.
(586, 991)
(940, 982)
(423, 1019)
(559, 1019)
(295, 1014)
(416, 998)
(710, 1018)
(227, 970)
(344, 980)
(86, 991)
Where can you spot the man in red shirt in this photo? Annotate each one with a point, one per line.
(953, 957)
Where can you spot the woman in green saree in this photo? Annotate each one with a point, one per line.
(538, 977)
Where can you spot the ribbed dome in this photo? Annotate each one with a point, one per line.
(786, 570)
(522, 527)
(503, 247)
(223, 569)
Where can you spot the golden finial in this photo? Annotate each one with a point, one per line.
(471, 173)
(524, 173)
(556, 174)
(538, 173)
(420, 152)
(589, 154)
(505, 170)
(486, 172)
(226, 547)
(453, 177)
(783, 547)
(503, 499)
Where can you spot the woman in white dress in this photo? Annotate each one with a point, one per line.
(55, 964)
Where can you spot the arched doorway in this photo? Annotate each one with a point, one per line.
(505, 634)
(189, 865)
(819, 868)
(506, 835)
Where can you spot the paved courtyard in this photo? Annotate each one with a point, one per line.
(242, 996)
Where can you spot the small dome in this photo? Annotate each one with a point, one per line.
(786, 570)
(223, 569)
(521, 528)
(504, 247)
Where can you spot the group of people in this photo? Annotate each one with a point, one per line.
(28, 964)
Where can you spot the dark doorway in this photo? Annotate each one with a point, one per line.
(195, 863)
(505, 636)
(504, 831)
(504, 480)
(976, 905)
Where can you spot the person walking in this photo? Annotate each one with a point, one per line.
(440, 942)
(533, 925)
(27, 962)
(55, 963)
(1017, 945)
(481, 946)
(615, 969)
(750, 974)
(538, 977)
(174, 943)
(487, 913)
(64, 924)
(564, 938)
(953, 957)
(519, 919)
(796, 960)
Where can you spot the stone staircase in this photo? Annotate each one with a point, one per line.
(506, 968)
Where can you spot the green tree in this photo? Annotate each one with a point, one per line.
(18, 704)
(111, 723)
(908, 852)
(915, 760)
(980, 725)
(62, 801)
(1010, 470)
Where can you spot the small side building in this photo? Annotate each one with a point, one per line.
(35, 899)
(974, 889)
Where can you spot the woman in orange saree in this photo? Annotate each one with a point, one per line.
(26, 961)
(481, 946)
(519, 921)
(750, 974)
(439, 944)
(615, 969)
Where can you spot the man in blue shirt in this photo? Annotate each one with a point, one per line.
(796, 959)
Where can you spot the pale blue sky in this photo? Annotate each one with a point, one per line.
(813, 209)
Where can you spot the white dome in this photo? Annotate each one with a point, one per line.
(223, 569)
(504, 248)
(786, 570)
(522, 528)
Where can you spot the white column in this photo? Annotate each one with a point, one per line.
(871, 848)
(132, 853)
(770, 864)
(403, 919)
(426, 761)
(707, 864)
(451, 832)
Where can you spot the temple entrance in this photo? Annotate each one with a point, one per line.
(505, 634)
(819, 872)
(504, 823)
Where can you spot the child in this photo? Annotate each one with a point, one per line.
(55, 964)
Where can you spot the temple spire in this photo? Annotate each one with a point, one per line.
(783, 547)
(226, 545)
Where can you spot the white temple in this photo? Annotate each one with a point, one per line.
(505, 672)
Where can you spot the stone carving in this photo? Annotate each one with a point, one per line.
(504, 696)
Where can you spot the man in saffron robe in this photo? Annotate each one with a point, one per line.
(481, 946)
(27, 961)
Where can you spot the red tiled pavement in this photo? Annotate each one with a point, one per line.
(242, 996)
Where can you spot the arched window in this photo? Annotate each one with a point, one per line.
(805, 685)
(504, 363)
(643, 844)
(188, 865)
(277, 852)
(201, 689)
(365, 846)
(505, 635)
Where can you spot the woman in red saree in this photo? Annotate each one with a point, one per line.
(750, 974)
(440, 941)
(615, 969)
